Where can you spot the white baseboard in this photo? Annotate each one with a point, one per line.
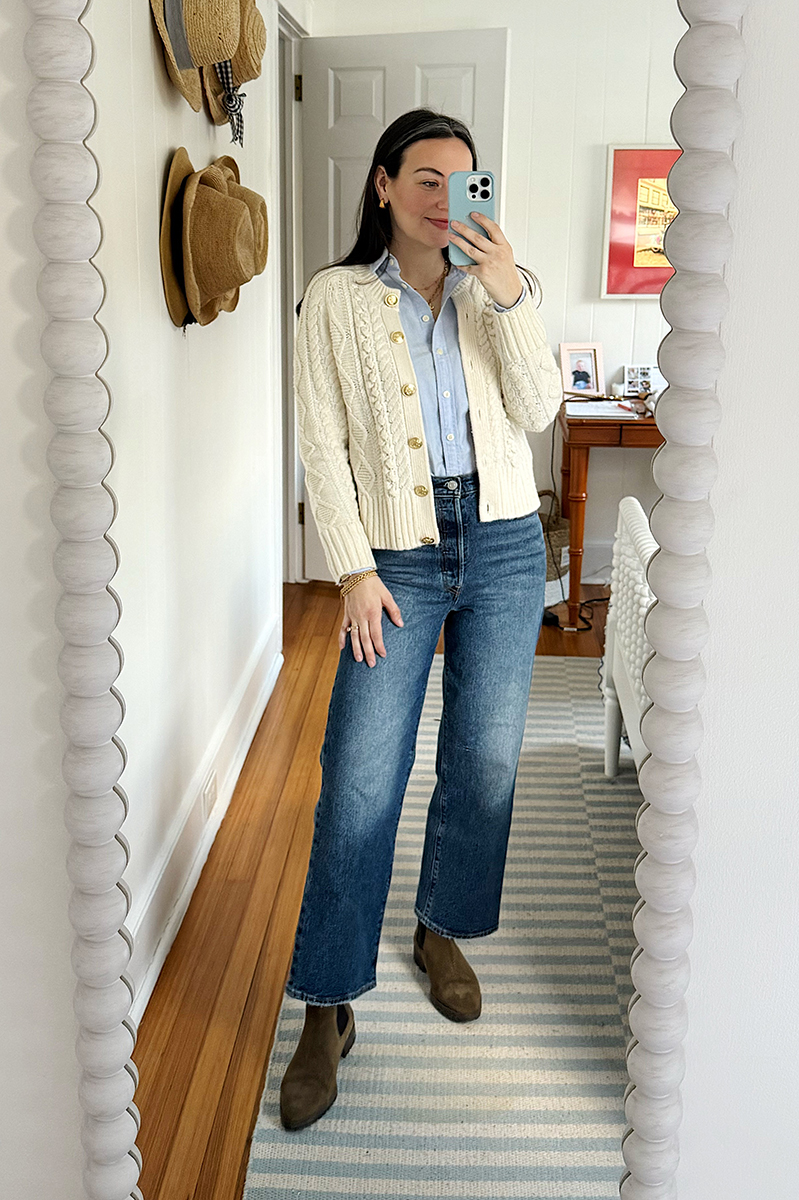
(157, 914)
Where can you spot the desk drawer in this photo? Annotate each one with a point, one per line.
(594, 433)
(641, 435)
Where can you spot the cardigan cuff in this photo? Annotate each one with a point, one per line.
(516, 303)
(345, 546)
(520, 330)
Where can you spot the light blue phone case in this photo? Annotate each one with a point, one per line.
(469, 193)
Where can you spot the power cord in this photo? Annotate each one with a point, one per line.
(551, 618)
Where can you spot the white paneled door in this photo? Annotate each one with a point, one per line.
(353, 87)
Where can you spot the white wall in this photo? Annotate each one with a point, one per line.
(196, 421)
(742, 1085)
(582, 76)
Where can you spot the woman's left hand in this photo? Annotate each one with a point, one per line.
(493, 255)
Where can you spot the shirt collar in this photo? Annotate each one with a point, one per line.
(387, 266)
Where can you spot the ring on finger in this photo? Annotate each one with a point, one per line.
(351, 627)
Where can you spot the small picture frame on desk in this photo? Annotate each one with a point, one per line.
(642, 379)
(582, 369)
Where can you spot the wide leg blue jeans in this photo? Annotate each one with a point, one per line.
(485, 583)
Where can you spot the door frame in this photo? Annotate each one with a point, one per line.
(290, 34)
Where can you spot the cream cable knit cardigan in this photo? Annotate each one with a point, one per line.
(361, 437)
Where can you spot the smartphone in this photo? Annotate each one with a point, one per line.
(469, 191)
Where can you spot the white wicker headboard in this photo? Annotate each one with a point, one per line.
(626, 645)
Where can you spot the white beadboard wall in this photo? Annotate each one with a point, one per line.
(196, 422)
(583, 75)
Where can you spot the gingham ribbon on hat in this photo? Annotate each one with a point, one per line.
(232, 100)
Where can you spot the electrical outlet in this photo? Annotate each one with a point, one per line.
(209, 795)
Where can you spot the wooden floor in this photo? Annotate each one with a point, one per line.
(205, 1038)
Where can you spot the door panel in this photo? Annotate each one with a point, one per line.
(353, 87)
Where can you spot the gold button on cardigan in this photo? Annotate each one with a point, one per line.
(354, 416)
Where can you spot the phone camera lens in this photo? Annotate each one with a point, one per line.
(473, 188)
(485, 195)
(484, 182)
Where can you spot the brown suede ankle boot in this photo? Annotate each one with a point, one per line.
(309, 1085)
(454, 989)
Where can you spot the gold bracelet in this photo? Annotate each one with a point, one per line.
(351, 580)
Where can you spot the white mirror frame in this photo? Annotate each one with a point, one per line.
(61, 112)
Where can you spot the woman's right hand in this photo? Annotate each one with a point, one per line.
(363, 606)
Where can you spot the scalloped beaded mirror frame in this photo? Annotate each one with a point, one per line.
(61, 112)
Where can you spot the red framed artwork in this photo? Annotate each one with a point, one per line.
(638, 212)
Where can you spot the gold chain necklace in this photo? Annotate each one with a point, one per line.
(438, 288)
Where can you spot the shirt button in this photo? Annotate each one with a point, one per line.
(439, 350)
(405, 285)
(408, 389)
(450, 437)
(426, 317)
(446, 395)
(420, 489)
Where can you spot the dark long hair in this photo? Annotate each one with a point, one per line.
(374, 222)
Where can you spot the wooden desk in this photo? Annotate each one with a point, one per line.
(579, 435)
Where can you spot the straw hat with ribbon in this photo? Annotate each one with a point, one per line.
(221, 87)
(214, 238)
(211, 34)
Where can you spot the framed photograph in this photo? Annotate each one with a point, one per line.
(581, 368)
(638, 211)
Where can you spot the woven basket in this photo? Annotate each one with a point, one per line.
(556, 534)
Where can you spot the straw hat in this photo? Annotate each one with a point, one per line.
(246, 62)
(256, 204)
(171, 240)
(213, 239)
(199, 33)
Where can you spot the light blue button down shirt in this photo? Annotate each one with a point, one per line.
(435, 351)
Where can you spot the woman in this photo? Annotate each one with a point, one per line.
(414, 383)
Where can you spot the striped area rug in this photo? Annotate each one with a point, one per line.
(525, 1102)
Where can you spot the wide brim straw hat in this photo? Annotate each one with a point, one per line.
(246, 62)
(188, 83)
(171, 239)
(213, 239)
(197, 34)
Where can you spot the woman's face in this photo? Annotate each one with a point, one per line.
(417, 198)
